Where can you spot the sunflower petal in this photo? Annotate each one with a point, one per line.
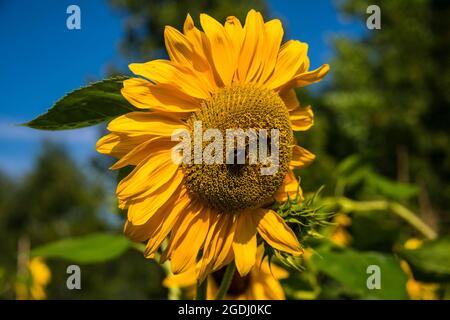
(290, 187)
(145, 95)
(217, 245)
(275, 231)
(165, 219)
(250, 62)
(306, 78)
(221, 47)
(178, 76)
(135, 156)
(118, 145)
(301, 157)
(185, 279)
(234, 29)
(274, 32)
(160, 221)
(302, 119)
(148, 123)
(290, 58)
(290, 99)
(244, 243)
(188, 244)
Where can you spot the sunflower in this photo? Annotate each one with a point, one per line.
(227, 76)
(33, 287)
(261, 283)
(418, 290)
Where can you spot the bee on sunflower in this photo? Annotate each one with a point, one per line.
(227, 76)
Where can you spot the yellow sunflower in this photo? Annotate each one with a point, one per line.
(261, 283)
(227, 76)
(38, 278)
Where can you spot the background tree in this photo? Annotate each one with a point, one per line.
(388, 102)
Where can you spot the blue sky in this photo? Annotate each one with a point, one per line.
(41, 60)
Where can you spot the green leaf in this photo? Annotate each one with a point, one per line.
(98, 247)
(391, 189)
(87, 106)
(349, 268)
(431, 261)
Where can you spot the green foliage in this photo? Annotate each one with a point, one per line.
(388, 104)
(305, 219)
(431, 261)
(87, 106)
(91, 248)
(348, 267)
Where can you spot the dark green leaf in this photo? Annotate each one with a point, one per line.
(92, 248)
(87, 106)
(349, 268)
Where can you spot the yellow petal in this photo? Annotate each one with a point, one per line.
(301, 119)
(118, 145)
(166, 219)
(289, 188)
(159, 223)
(301, 157)
(290, 99)
(244, 243)
(185, 279)
(135, 156)
(178, 46)
(273, 31)
(210, 245)
(250, 64)
(201, 53)
(178, 76)
(272, 228)
(140, 211)
(290, 58)
(273, 289)
(221, 47)
(145, 95)
(234, 29)
(148, 175)
(149, 123)
(189, 240)
(217, 245)
(306, 78)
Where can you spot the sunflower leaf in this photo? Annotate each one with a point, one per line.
(93, 248)
(86, 106)
(431, 261)
(350, 268)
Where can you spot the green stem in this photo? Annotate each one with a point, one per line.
(413, 220)
(202, 288)
(226, 281)
(396, 208)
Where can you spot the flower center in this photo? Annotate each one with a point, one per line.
(255, 149)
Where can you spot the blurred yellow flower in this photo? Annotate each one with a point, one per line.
(261, 283)
(417, 290)
(339, 234)
(227, 76)
(413, 243)
(33, 288)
